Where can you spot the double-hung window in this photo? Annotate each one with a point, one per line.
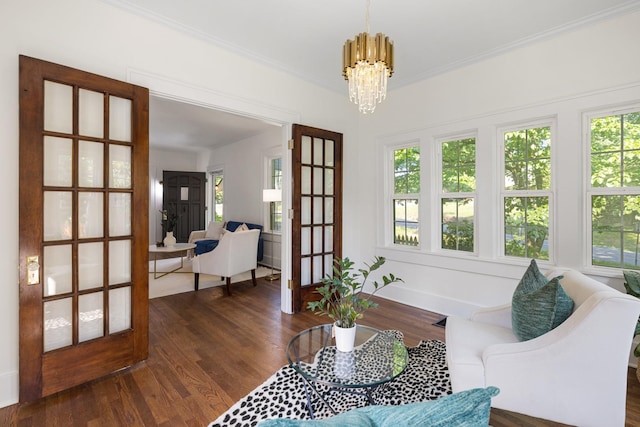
(614, 188)
(275, 182)
(527, 191)
(457, 195)
(406, 196)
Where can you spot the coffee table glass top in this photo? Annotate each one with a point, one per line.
(378, 357)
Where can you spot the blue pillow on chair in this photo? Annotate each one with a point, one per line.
(203, 246)
(469, 408)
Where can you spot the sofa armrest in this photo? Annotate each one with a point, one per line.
(197, 235)
(499, 315)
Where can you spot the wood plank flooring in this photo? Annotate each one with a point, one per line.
(207, 351)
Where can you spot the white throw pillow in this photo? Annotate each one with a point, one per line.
(214, 230)
(243, 227)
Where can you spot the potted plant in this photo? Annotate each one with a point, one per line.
(170, 220)
(342, 295)
(632, 285)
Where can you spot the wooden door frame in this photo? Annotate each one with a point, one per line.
(111, 356)
(301, 295)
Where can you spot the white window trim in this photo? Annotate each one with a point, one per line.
(390, 195)
(599, 191)
(442, 195)
(211, 174)
(266, 208)
(551, 122)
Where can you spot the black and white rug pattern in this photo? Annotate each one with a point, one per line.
(283, 394)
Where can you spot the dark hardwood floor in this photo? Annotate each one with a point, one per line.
(207, 351)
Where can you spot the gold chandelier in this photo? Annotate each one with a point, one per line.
(367, 63)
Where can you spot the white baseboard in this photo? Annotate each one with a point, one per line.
(9, 388)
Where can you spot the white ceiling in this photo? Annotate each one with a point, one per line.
(305, 38)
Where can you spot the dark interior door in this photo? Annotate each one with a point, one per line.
(183, 193)
(317, 210)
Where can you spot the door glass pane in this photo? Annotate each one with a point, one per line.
(328, 265)
(119, 262)
(90, 265)
(57, 270)
(57, 324)
(91, 113)
(119, 309)
(317, 239)
(58, 107)
(328, 239)
(90, 214)
(305, 217)
(318, 152)
(90, 316)
(119, 214)
(328, 182)
(317, 268)
(91, 164)
(305, 150)
(305, 271)
(328, 210)
(120, 169)
(328, 153)
(318, 184)
(57, 161)
(119, 119)
(57, 215)
(305, 238)
(317, 210)
(305, 180)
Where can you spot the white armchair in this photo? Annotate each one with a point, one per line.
(235, 253)
(574, 374)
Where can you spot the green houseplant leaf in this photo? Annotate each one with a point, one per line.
(342, 297)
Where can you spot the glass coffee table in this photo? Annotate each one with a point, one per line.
(377, 358)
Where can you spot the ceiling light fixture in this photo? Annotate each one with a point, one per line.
(367, 63)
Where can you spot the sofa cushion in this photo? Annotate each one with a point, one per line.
(468, 408)
(214, 230)
(538, 304)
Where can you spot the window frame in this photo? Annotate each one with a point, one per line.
(590, 191)
(503, 193)
(273, 182)
(393, 196)
(441, 194)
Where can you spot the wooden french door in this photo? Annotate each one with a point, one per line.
(183, 193)
(317, 209)
(84, 161)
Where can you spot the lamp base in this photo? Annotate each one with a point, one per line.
(272, 277)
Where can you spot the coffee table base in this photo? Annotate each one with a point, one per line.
(311, 389)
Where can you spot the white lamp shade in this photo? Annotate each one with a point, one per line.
(271, 195)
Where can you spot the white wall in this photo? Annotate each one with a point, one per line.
(243, 165)
(561, 78)
(99, 38)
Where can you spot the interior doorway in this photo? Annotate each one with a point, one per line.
(167, 89)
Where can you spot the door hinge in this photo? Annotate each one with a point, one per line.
(291, 144)
(290, 283)
(290, 213)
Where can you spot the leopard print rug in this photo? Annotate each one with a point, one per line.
(283, 395)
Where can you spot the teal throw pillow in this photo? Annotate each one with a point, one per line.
(470, 408)
(538, 305)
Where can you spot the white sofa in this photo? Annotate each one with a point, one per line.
(574, 374)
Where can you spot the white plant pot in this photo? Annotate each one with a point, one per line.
(169, 240)
(345, 338)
